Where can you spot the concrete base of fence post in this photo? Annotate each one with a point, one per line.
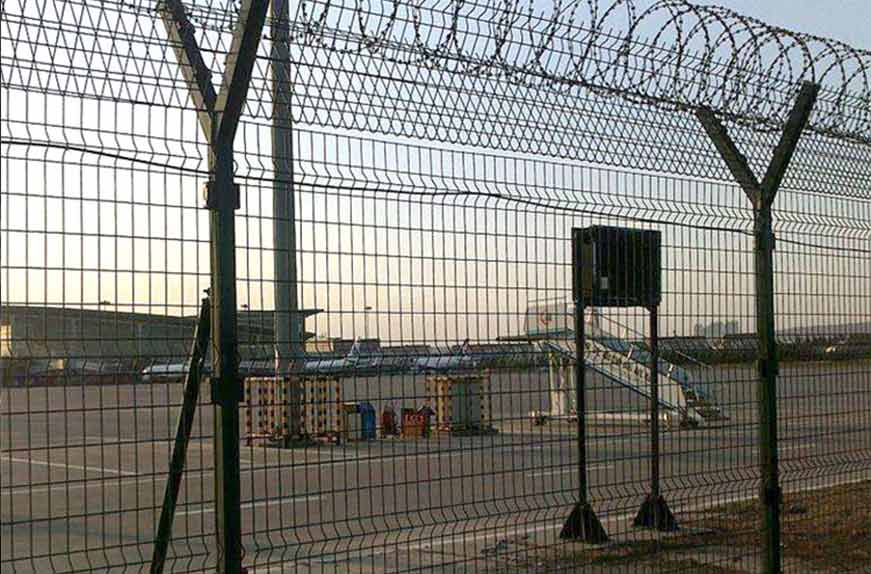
(654, 513)
(584, 525)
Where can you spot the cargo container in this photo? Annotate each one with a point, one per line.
(462, 402)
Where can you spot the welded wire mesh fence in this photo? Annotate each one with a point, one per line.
(403, 321)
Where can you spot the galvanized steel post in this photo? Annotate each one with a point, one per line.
(762, 196)
(226, 385)
(654, 511)
(767, 365)
(654, 408)
(581, 400)
(219, 113)
(582, 523)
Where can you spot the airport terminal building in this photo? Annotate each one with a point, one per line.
(36, 340)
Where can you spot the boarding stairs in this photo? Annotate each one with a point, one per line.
(682, 402)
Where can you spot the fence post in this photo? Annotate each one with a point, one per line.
(219, 114)
(767, 366)
(762, 196)
(582, 523)
(226, 385)
(654, 511)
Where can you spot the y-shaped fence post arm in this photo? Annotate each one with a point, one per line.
(219, 115)
(762, 198)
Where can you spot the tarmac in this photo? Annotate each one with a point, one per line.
(83, 470)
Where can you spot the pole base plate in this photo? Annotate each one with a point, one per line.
(654, 513)
(583, 524)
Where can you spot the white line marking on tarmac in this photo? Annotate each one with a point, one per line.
(570, 470)
(83, 485)
(100, 469)
(796, 446)
(102, 484)
(109, 440)
(115, 441)
(247, 505)
(316, 464)
(339, 459)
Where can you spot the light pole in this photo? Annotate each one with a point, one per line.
(366, 310)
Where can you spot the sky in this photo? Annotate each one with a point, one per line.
(96, 242)
(845, 20)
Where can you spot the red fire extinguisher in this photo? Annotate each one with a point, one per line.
(388, 421)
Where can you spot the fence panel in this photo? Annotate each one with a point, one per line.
(104, 260)
(410, 177)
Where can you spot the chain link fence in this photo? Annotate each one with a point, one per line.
(288, 287)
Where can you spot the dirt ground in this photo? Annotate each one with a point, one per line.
(823, 531)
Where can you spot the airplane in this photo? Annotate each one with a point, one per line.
(460, 360)
(166, 372)
(171, 372)
(353, 361)
(77, 371)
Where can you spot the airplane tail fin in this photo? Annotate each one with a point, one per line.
(354, 353)
(466, 348)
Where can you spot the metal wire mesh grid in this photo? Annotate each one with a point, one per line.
(441, 246)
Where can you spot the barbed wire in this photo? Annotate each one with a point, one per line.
(669, 53)
(367, 90)
(673, 53)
